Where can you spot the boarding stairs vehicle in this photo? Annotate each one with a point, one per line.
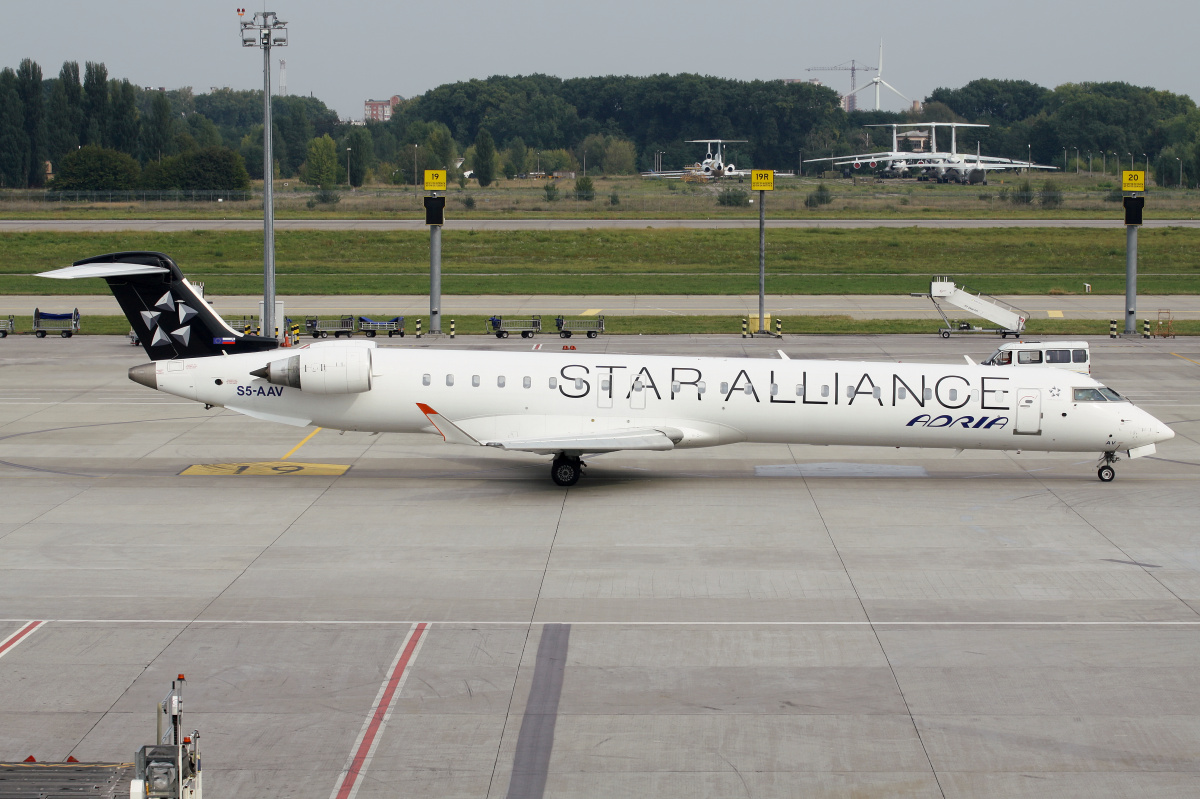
(321, 328)
(501, 326)
(7, 326)
(65, 324)
(1011, 319)
(569, 327)
(370, 327)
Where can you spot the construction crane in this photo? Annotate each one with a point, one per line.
(854, 66)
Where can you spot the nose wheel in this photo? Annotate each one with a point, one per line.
(1106, 472)
(566, 470)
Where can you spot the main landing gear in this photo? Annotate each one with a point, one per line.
(1106, 472)
(566, 470)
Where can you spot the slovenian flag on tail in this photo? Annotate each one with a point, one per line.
(224, 340)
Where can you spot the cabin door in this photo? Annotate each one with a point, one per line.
(1029, 412)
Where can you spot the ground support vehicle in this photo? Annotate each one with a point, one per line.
(393, 326)
(65, 324)
(501, 326)
(321, 328)
(569, 327)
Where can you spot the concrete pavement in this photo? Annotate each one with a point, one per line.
(756, 620)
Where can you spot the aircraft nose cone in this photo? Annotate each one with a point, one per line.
(146, 374)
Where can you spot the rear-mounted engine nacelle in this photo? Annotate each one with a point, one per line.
(324, 370)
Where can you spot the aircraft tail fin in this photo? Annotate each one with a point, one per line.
(169, 316)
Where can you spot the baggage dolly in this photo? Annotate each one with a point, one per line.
(67, 324)
(321, 328)
(568, 327)
(7, 326)
(393, 326)
(501, 327)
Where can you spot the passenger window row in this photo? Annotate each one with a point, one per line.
(527, 382)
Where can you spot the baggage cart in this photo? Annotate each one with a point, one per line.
(569, 327)
(393, 326)
(7, 326)
(501, 326)
(321, 328)
(65, 324)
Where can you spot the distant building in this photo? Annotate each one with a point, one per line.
(380, 110)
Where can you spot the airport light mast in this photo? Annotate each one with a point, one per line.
(265, 30)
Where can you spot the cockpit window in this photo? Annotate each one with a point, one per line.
(1111, 395)
(1090, 395)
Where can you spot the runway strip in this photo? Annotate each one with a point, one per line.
(376, 721)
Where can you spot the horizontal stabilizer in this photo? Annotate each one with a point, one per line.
(102, 270)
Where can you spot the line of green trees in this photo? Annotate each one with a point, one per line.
(507, 126)
(93, 130)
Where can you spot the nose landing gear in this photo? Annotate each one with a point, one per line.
(1106, 472)
(566, 470)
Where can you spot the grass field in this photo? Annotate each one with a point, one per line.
(699, 325)
(677, 261)
(1083, 196)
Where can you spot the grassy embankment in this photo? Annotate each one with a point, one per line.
(825, 261)
(1083, 197)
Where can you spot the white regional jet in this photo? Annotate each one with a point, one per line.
(568, 405)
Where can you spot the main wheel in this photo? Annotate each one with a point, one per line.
(565, 471)
(945, 334)
(1106, 473)
(40, 334)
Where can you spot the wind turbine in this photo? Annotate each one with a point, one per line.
(878, 80)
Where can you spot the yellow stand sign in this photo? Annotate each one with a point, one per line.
(435, 180)
(1133, 180)
(762, 180)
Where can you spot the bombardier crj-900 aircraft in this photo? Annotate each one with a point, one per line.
(568, 405)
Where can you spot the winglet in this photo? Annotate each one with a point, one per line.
(451, 432)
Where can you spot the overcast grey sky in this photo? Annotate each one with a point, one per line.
(349, 50)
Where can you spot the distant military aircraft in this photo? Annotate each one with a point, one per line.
(942, 166)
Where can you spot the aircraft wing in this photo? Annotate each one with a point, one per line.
(649, 439)
(860, 157)
(641, 438)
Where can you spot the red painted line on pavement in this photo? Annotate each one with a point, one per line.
(18, 636)
(378, 715)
